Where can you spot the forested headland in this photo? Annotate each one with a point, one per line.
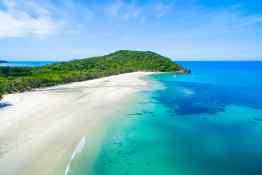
(19, 79)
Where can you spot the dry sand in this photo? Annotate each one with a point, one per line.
(40, 130)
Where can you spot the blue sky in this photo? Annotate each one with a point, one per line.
(180, 29)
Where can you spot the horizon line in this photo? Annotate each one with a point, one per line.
(173, 59)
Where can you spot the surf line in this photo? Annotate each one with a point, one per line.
(80, 146)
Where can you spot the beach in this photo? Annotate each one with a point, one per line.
(163, 123)
(41, 131)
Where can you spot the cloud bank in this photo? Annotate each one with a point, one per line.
(27, 19)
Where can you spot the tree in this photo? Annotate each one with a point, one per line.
(18, 79)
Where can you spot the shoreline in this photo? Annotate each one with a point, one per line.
(41, 129)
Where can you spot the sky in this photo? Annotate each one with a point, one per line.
(180, 29)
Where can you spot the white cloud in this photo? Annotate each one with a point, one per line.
(114, 8)
(132, 10)
(28, 20)
(162, 9)
(124, 10)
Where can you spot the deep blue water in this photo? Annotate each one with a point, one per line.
(205, 123)
(27, 63)
(218, 84)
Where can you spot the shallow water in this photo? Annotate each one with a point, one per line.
(206, 123)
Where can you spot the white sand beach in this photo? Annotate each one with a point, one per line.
(40, 129)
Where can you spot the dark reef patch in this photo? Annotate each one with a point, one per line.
(257, 119)
(195, 98)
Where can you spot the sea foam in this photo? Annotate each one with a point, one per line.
(78, 149)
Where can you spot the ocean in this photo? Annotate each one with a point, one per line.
(205, 123)
(27, 63)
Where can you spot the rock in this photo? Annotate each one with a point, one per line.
(183, 71)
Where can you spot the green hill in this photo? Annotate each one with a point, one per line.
(18, 79)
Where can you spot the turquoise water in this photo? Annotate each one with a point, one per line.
(206, 123)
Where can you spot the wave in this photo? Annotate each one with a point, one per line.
(188, 92)
(78, 149)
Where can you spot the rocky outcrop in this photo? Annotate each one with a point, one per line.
(183, 71)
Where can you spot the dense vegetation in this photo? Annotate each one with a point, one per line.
(17, 79)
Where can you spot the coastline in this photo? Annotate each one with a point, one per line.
(40, 130)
